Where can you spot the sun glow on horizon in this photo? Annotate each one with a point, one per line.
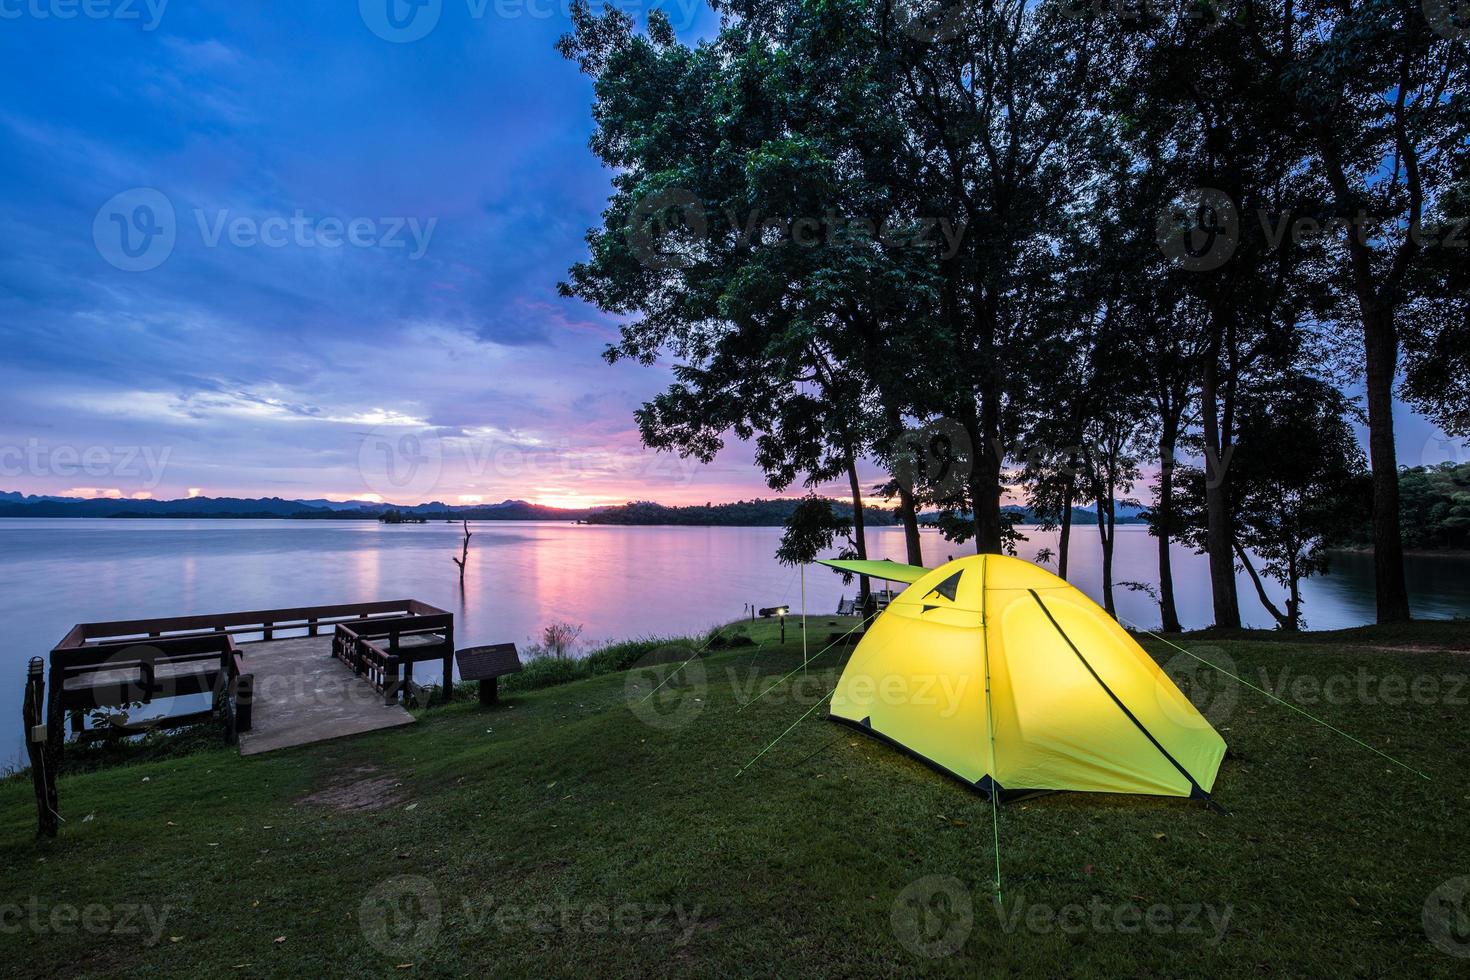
(569, 501)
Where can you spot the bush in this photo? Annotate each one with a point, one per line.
(559, 639)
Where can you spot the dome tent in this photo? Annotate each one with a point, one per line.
(1009, 678)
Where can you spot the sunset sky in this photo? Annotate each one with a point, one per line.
(355, 292)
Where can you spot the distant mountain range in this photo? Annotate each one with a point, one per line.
(744, 513)
(19, 505)
(741, 513)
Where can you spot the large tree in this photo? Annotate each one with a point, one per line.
(1380, 92)
(775, 272)
(1298, 475)
(1210, 142)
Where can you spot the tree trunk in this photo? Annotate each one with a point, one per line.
(908, 513)
(1165, 520)
(1218, 531)
(1281, 619)
(987, 453)
(985, 479)
(1294, 593)
(859, 531)
(1380, 340)
(1064, 541)
(1105, 537)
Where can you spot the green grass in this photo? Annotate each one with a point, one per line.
(578, 808)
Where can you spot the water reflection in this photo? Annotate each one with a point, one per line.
(616, 581)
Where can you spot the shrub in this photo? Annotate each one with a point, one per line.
(558, 639)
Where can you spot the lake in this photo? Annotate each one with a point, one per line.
(616, 582)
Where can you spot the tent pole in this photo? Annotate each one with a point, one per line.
(990, 722)
(803, 617)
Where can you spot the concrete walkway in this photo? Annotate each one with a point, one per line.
(303, 694)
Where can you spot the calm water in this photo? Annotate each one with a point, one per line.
(616, 581)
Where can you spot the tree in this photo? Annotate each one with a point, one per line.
(1437, 506)
(776, 294)
(1299, 482)
(1437, 314)
(1109, 456)
(997, 104)
(1209, 139)
(1380, 92)
(810, 530)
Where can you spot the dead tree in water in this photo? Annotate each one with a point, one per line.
(464, 553)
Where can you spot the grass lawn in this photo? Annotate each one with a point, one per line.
(573, 830)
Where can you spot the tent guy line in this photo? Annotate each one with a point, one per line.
(805, 715)
(669, 676)
(1283, 701)
(805, 662)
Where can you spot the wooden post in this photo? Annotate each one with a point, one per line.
(244, 701)
(43, 776)
(55, 719)
(390, 681)
(449, 663)
(489, 691)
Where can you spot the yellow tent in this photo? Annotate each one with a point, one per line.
(1008, 677)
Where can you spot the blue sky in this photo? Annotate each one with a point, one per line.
(298, 249)
(252, 357)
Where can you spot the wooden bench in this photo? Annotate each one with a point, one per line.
(487, 665)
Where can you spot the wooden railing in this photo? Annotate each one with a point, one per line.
(264, 625)
(384, 651)
(125, 657)
(124, 673)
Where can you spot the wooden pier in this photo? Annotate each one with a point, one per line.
(303, 694)
(272, 679)
(275, 678)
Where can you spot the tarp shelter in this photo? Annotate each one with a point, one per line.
(1011, 679)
